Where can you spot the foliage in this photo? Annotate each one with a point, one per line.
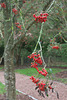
(2, 88)
(56, 22)
(57, 55)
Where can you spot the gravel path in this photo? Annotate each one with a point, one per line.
(24, 84)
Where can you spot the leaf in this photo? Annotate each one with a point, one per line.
(52, 89)
(42, 95)
(39, 91)
(46, 92)
(51, 83)
(57, 95)
(37, 87)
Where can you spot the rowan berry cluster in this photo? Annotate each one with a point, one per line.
(3, 5)
(39, 85)
(37, 60)
(42, 86)
(15, 11)
(34, 80)
(18, 25)
(41, 18)
(43, 72)
(55, 47)
(24, 1)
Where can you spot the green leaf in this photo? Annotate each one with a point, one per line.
(37, 87)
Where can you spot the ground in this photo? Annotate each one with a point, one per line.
(28, 87)
(62, 74)
(19, 97)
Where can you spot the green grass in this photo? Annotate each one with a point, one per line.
(2, 88)
(1, 68)
(33, 71)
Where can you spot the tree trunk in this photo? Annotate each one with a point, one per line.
(9, 73)
(49, 61)
(22, 61)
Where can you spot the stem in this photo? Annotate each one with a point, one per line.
(42, 26)
(44, 64)
(50, 6)
(39, 37)
(22, 21)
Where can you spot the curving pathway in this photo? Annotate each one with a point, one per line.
(24, 84)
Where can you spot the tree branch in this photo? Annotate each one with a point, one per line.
(20, 3)
(47, 5)
(17, 41)
(1, 59)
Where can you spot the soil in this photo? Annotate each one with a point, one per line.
(62, 74)
(18, 97)
(57, 67)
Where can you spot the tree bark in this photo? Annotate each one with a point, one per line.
(9, 73)
(22, 61)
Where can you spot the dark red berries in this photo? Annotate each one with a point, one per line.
(3, 5)
(41, 18)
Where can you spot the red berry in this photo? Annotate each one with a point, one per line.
(41, 14)
(24, 1)
(34, 15)
(3, 5)
(15, 11)
(55, 47)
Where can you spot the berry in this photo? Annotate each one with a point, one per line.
(55, 47)
(3, 5)
(15, 11)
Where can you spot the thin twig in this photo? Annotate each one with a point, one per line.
(44, 64)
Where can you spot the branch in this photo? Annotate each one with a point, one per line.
(39, 36)
(1, 34)
(1, 59)
(30, 25)
(17, 42)
(27, 12)
(44, 64)
(47, 5)
(20, 3)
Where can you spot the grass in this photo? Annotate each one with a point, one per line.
(2, 88)
(32, 71)
(1, 68)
